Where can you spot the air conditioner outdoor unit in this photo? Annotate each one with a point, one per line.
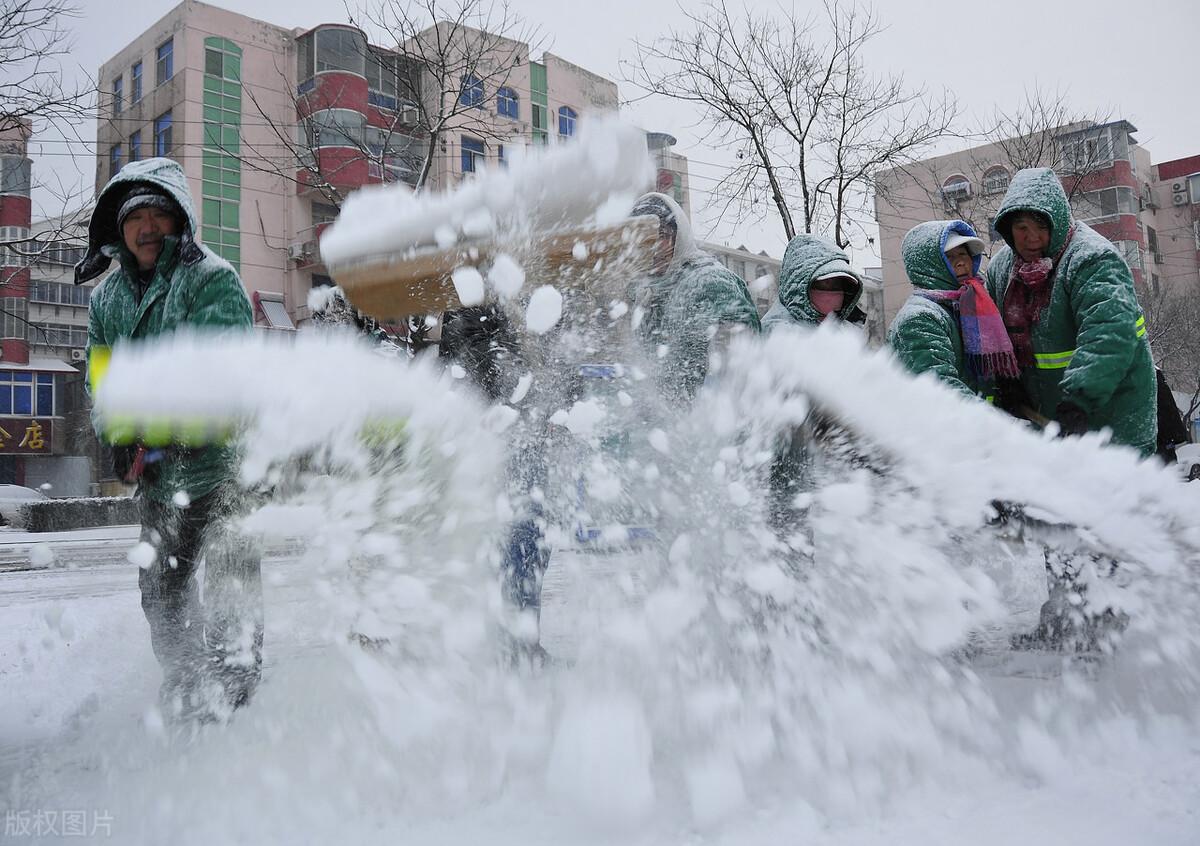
(297, 252)
(1179, 198)
(1177, 187)
(78, 355)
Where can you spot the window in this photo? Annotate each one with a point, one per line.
(566, 121)
(221, 171)
(15, 175)
(1108, 202)
(472, 91)
(49, 253)
(1194, 187)
(383, 142)
(993, 233)
(305, 55)
(1152, 242)
(135, 83)
(323, 213)
(383, 72)
(501, 156)
(341, 50)
(59, 293)
(14, 255)
(507, 104)
(135, 146)
(1132, 252)
(164, 66)
(472, 154)
(57, 335)
(537, 102)
(114, 160)
(23, 392)
(1082, 155)
(118, 94)
(954, 190)
(995, 180)
(336, 128)
(162, 134)
(222, 59)
(15, 317)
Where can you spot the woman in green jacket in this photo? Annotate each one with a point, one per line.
(949, 326)
(1068, 302)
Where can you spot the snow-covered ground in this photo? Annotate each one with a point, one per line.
(703, 691)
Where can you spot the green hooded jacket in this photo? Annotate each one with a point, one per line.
(191, 287)
(682, 306)
(1090, 343)
(806, 259)
(926, 335)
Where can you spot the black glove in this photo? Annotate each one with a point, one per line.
(1072, 420)
(1012, 397)
(122, 460)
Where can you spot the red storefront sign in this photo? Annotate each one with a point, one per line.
(25, 435)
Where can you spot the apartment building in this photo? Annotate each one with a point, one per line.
(273, 124)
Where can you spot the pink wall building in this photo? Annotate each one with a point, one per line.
(1110, 179)
(236, 100)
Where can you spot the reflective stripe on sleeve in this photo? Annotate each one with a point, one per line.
(1054, 360)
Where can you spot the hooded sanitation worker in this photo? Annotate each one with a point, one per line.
(1079, 335)
(165, 280)
(690, 301)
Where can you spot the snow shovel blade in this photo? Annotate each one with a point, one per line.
(416, 281)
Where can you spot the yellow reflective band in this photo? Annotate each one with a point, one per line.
(98, 360)
(1140, 326)
(1053, 361)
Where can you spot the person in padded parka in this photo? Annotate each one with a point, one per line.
(688, 301)
(816, 283)
(211, 655)
(1068, 303)
(949, 326)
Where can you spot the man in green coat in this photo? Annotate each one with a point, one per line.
(1068, 302)
(689, 301)
(165, 280)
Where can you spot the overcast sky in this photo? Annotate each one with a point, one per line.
(1136, 60)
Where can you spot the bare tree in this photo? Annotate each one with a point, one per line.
(435, 68)
(811, 121)
(453, 54)
(1173, 329)
(33, 42)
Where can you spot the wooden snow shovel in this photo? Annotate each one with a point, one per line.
(412, 281)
